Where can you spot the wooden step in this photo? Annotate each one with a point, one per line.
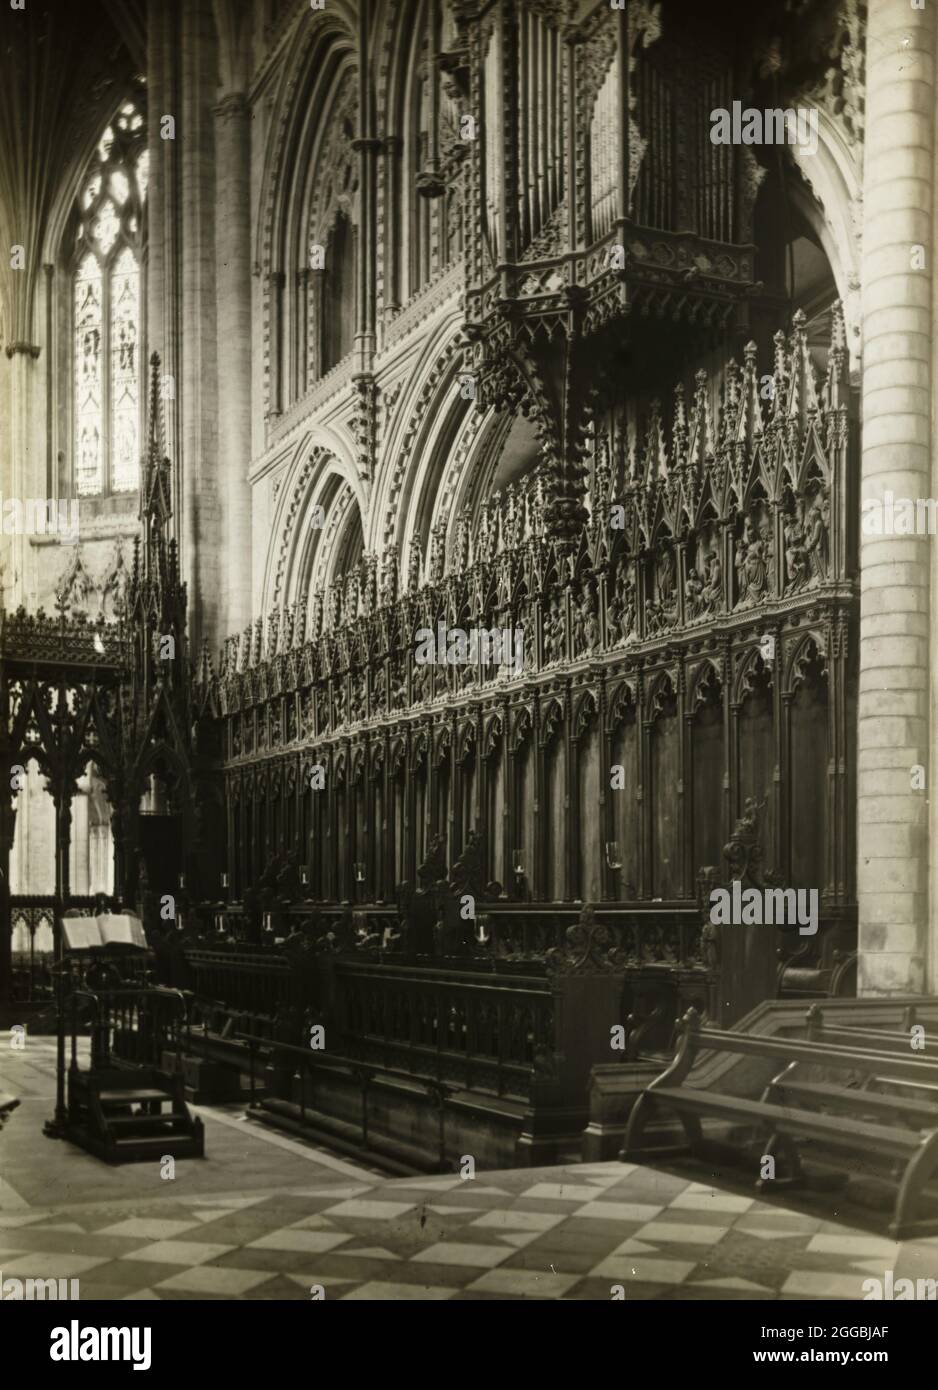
(143, 1141)
(130, 1097)
(138, 1148)
(142, 1123)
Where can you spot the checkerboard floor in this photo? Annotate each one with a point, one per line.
(266, 1218)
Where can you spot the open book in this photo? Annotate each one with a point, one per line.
(110, 929)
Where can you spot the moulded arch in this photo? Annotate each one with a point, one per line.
(320, 468)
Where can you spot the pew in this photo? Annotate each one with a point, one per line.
(904, 1135)
(898, 1040)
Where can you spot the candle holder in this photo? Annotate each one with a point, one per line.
(517, 868)
(482, 934)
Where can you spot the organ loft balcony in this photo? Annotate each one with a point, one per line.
(598, 198)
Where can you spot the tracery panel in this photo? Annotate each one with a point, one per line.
(707, 759)
(554, 820)
(626, 804)
(757, 752)
(665, 738)
(809, 765)
(105, 263)
(588, 833)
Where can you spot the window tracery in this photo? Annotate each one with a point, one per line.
(106, 328)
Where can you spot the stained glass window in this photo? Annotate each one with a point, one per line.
(125, 376)
(106, 305)
(88, 397)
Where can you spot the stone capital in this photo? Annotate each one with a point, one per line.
(27, 349)
(233, 105)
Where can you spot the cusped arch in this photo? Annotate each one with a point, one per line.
(551, 720)
(662, 689)
(622, 702)
(752, 673)
(704, 683)
(809, 651)
(584, 713)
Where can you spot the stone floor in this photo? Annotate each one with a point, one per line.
(264, 1217)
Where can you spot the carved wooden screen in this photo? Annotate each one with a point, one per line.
(494, 814)
(664, 739)
(668, 639)
(756, 750)
(808, 775)
(626, 805)
(554, 819)
(707, 766)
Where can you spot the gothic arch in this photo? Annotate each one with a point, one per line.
(337, 23)
(320, 470)
(311, 91)
(420, 419)
(751, 672)
(810, 650)
(622, 701)
(830, 200)
(343, 530)
(584, 713)
(703, 683)
(661, 690)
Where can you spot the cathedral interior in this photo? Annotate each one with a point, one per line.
(432, 567)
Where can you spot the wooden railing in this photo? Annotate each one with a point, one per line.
(485, 1032)
(137, 1024)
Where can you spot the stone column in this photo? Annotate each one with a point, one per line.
(367, 147)
(163, 225)
(22, 440)
(896, 654)
(233, 286)
(202, 529)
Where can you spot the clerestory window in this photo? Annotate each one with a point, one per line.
(107, 300)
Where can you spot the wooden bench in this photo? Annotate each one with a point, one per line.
(909, 1142)
(898, 1041)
